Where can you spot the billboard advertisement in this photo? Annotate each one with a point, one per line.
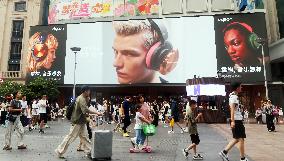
(168, 50)
(46, 52)
(68, 10)
(239, 43)
(141, 51)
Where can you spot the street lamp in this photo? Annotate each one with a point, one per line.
(262, 43)
(75, 51)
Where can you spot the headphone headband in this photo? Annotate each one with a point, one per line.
(244, 25)
(160, 28)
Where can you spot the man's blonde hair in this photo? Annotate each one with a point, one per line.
(132, 27)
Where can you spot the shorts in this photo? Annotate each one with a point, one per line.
(43, 117)
(239, 130)
(195, 139)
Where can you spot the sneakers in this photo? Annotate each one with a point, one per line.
(22, 147)
(224, 156)
(6, 147)
(197, 157)
(244, 159)
(59, 155)
(41, 131)
(125, 134)
(171, 132)
(185, 153)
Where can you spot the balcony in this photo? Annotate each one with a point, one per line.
(11, 75)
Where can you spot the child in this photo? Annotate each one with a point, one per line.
(172, 123)
(192, 129)
(140, 136)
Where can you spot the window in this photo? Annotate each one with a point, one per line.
(15, 51)
(172, 7)
(20, 6)
(18, 26)
(193, 6)
(280, 13)
(14, 65)
(222, 5)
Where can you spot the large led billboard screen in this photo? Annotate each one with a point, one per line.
(168, 50)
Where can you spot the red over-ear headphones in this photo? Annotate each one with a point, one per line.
(160, 56)
(40, 49)
(252, 38)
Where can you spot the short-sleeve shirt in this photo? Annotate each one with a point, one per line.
(35, 108)
(24, 106)
(16, 104)
(42, 106)
(238, 108)
(138, 124)
(192, 126)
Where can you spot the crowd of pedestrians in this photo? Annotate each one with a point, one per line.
(19, 115)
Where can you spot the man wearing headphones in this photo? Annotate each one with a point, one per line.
(242, 45)
(141, 50)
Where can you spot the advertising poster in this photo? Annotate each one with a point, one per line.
(46, 52)
(60, 10)
(165, 50)
(239, 43)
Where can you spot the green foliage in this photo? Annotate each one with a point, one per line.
(36, 88)
(9, 87)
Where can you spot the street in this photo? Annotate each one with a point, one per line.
(166, 147)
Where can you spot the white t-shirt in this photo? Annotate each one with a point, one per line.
(42, 106)
(234, 100)
(24, 106)
(100, 108)
(35, 110)
(138, 124)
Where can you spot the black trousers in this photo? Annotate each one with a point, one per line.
(89, 131)
(270, 123)
(126, 122)
(3, 117)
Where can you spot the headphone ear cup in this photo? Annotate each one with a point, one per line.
(149, 56)
(252, 39)
(160, 53)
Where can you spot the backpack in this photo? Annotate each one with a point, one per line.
(70, 109)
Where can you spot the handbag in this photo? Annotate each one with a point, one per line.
(149, 130)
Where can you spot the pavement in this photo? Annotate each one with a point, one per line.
(166, 147)
(260, 144)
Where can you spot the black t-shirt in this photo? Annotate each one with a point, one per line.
(126, 108)
(16, 104)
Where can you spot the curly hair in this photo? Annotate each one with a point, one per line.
(51, 44)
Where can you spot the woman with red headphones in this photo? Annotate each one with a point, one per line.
(42, 48)
(242, 45)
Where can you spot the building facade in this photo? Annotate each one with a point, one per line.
(16, 18)
(18, 15)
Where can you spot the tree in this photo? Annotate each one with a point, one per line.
(40, 86)
(9, 87)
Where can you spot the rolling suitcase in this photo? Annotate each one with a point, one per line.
(101, 145)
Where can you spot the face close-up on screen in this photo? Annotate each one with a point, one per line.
(169, 50)
(240, 46)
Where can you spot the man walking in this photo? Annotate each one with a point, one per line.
(42, 112)
(14, 123)
(79, 121)
(237, 125)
